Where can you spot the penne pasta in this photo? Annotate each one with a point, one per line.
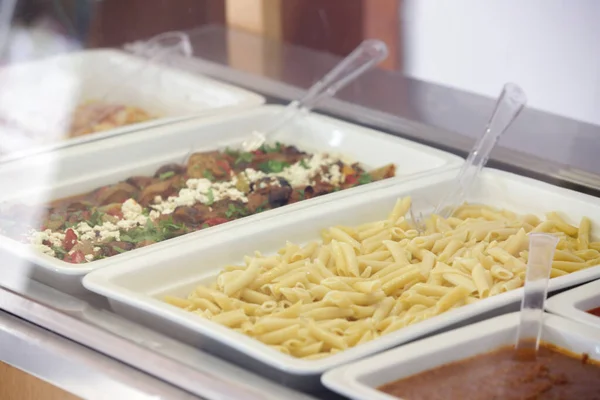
(358, 283)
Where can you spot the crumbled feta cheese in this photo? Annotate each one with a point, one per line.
(132, 215)
(201, 191)
(224, 190)
(38, 238)
(131, 209)
(253, 175)
(89, 257)
(334, 175)
(275, 182)
(82, 228)
(106, 231)
(303, 173)
(200, 185)
(126, 224)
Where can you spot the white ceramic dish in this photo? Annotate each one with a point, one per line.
(75, 170)
(574, 303)
(358, 381)
(38, 96)
(134, 287)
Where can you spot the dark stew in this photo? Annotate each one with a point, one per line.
(595, 311)
(211, 189)
(555, 374)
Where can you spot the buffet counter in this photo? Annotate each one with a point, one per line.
(77, 344)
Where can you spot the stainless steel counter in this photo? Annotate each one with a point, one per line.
(75, 368)
(110, 352)
(79, 345)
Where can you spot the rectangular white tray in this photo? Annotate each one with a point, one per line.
(574, 303)
(40, 95)
(134, 287)
(78, 169)
(358, 381)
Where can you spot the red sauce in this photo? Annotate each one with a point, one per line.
(595, 311)
(554, 374)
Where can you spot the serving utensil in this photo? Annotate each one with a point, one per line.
(158, 49)
(369, 53)
(539, 264)
(511, 101)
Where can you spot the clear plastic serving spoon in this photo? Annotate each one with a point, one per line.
(157, 50)
(368, 54)
(508, 106)
(541, 253)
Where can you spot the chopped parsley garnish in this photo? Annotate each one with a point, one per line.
(231, 152)
(262, 207)
(244, 157)
(265, 148)
(129, 237)
(118, 249)
(205, 225)
(365, 178)
(208, 175)
(211, 197)
(152, 231)
(169, 224)
(60, 252)
(273, 166)
(69, 224)
(236, 211)
(166, 175)
(303, 164)
(337, 189)
(95, 218)
(301, 194)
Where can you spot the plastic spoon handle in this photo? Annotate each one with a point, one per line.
(509, 104)
(369, 53)
(541, 253)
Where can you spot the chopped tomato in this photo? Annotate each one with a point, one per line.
(70, 239)
(258, 152)
(215, 221)
(224, 165)
(351, 179)
(76, 258)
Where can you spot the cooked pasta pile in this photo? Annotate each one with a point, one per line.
(357, 284)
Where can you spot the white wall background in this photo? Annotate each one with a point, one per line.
(551, 48)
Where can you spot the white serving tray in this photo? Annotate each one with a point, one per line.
(358, 381)
(39, 96)
(134, 287)
(78, 169)
(574, 303)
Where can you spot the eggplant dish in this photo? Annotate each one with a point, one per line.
(210, 189)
